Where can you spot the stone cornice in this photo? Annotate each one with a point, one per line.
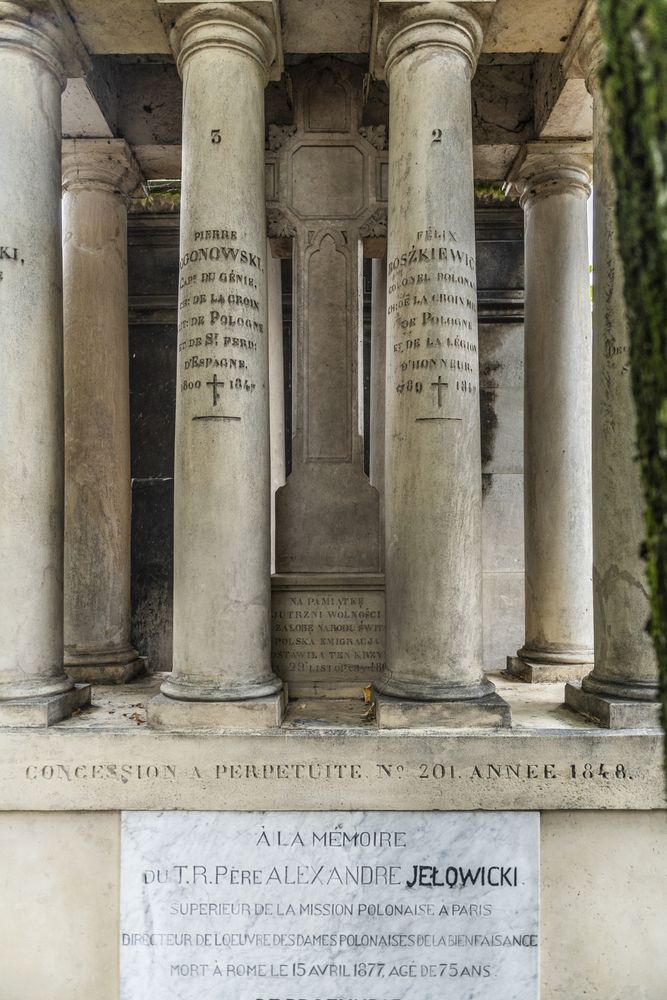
(208, 25)
(546, 168)
(438, 24)
(44, 31)
(585, 52)
(100, 164)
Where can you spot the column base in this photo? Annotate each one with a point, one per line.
(43, 710)
(489, 712)
(251, 713)
(541, 672)
(118, 667)
(610, 712)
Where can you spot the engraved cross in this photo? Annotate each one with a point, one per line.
(440, 385)
(216, 388)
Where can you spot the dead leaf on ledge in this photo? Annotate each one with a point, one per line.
(139, 719)
(368, 694)
(369, 714)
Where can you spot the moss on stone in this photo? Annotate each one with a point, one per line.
(634, 83)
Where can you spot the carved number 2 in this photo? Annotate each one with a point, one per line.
(437, 135)
(216, 138)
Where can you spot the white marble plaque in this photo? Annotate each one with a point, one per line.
(329, 906)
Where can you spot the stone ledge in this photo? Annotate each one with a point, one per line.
(613, 713)
(490, 712)
(543, 673)
(251, 714)
(21, 713)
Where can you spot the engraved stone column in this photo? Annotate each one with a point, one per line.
(554, 182)
(378, 365)
(433, 489)
(34, 688)
(622, 688)
(222, 514)
(98, 175)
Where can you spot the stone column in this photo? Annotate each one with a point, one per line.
(554, 182)
(222, 513)
(433, 488)
(34, 688)
(622, 688)
(276, 386)
(378, 369)
(98, 175)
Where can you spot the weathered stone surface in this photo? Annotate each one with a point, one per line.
(98, 176)
(625, 660)
(490, 712)
(43, 710)
(247, 714)
(47, 903)
(32, 75)
(327, 633)
(555, 183)
(432, 431)
(614, 713)
(328, 756)
(327, 514)
(222, 453)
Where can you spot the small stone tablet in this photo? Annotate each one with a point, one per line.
(329, 906)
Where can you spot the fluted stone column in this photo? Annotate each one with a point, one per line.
(433, 488)
(98, 175)
(222, 514)
(34, 688)
(622, 688)
(554, 183)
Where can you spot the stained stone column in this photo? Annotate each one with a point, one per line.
(433, 487)
(554, 182)
(34, 688)
(222, 514)
(276, 385)
(378, 366)
(622, 688)
(98, 175)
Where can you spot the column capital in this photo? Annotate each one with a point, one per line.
(42, 31)
(438, 24)
(585, 50)
(100, 164)
(547, 168)
(223, 25)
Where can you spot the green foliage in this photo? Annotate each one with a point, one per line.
(634, 82)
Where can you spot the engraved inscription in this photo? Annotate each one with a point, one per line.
(220, 324)
(432, 317)
(321, 633)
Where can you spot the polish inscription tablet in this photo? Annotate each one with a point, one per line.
(329, 905)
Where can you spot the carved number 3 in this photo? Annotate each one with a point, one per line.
(437, 135)
(216, 138)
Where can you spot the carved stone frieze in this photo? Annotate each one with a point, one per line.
(375, 224)
(278, 225)
(278, 136)
(376, 135)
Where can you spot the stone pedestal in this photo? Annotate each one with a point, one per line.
(98, 175)
(222, 513)
(432, 435)
(34, 688)
(625, 663)
(554, 183)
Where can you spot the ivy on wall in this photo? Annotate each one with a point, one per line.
(634, 82)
